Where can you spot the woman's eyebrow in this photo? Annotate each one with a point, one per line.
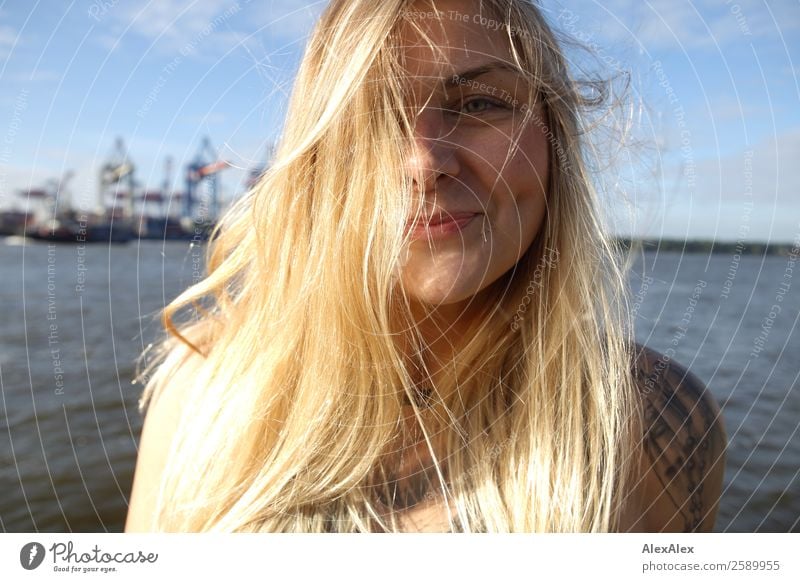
(470, 74)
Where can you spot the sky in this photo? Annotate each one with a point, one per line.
(711, 117)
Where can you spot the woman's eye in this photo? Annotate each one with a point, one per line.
(475, 106)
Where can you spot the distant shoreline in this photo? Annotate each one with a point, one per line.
(752, 248)
(710, 247)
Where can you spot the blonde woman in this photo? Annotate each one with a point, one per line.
(415, 321)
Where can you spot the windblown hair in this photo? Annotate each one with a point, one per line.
(292, 417)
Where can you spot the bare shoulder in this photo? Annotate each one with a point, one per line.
(684, 447)
(173, 379)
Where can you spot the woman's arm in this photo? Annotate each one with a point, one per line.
(684, 448)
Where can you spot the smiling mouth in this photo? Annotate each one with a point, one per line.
(442, 225)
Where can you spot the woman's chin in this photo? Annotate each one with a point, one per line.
(441, 293)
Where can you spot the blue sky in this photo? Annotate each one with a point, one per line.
(714, 122)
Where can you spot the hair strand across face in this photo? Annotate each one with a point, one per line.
(294, 416)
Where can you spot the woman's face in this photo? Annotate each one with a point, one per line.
(492, 207)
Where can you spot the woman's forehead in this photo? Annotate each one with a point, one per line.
(439, 45)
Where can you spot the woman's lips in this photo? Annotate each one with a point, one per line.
(441, 226)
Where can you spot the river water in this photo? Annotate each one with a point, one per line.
(75, 318)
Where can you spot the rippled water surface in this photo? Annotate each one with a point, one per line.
(74, 320)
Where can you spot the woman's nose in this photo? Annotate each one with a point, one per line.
(433, 151)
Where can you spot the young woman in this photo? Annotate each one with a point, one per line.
(416, 320)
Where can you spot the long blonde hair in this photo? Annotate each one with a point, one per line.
(293, 414)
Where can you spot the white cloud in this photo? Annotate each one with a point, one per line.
(8, 38)
(715, 206)
(212, 27)
(684, 24)
(289, 19)
(175, 20)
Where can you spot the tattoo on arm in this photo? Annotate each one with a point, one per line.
(681, 425)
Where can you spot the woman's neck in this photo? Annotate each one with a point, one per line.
(443, 328)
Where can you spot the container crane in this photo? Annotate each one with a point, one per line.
(117, 180)
(205, 168)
